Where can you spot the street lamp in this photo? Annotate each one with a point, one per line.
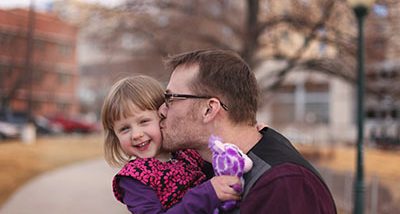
(28, 133)
(360, 8)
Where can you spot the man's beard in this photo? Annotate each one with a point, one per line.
(183, 133)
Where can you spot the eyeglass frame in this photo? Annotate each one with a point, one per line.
(168, 98)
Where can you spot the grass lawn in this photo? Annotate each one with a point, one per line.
(378, 163)
(21, 162)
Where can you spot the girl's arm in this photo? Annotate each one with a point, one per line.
(140, 198)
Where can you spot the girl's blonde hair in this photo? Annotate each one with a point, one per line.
(126, 97)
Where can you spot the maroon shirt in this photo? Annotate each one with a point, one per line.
(282, 180)
(288, 188)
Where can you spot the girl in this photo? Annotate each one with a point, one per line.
(153, 180)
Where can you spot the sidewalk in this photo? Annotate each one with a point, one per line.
(82, 188)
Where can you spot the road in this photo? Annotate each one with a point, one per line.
(82, 188)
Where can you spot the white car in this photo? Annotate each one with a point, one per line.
(8, 130)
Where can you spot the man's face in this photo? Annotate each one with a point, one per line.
(181, 121)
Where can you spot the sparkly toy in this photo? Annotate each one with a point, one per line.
(228, 159)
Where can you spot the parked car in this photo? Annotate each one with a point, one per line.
(70, 125)
(8, 130)
(46, 127)
(19, 119)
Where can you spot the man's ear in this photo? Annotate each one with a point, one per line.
(211, 110)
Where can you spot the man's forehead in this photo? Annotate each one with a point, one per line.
(182, 77)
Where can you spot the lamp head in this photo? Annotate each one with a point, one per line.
(361, 3)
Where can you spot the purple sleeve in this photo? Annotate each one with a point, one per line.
(288, 189)
(140, 198)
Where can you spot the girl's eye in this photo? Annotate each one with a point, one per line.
(124, 128)
(144, 121)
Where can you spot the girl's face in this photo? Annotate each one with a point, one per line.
(139, 135)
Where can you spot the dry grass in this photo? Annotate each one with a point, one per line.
(21, 162)
(383, 164)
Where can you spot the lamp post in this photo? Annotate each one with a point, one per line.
(29, 56)
(28, 133)
(360, 8)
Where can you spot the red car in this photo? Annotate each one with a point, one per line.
(70, 125)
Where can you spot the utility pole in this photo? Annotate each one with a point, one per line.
(29, 130)
(29, 57)
(360, 9)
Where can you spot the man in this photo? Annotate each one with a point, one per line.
(214, 92)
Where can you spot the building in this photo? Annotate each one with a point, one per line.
(101, 67)
(312, 107)
(47, 82)
(383, 75)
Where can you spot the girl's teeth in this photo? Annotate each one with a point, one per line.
(143, 144)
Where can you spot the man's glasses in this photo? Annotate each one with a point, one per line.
(169, 98)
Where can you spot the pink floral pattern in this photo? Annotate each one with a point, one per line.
(171, 179)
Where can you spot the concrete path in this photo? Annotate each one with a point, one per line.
(83, 188)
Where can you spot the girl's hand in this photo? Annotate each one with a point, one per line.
(223, 187)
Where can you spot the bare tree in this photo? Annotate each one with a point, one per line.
(254, 28)
(13, 74)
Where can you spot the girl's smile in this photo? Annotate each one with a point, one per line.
(139, 134)
(143, 146)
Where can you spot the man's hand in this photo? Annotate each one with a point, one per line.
(260, 126)
(223, 187)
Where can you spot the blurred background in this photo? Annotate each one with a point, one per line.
(58, 60)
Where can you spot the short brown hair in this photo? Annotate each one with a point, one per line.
(126, 95)
(224, 74)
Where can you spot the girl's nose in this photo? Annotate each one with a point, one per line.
(137, 135)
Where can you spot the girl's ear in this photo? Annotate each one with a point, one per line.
(211, 110)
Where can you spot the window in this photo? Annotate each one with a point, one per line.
(322, 44)
(62, 106)
(37, 75)
(64, 78)
(305, 2)
(4, 71)
(316, 112)
(40, 45)
(5, 39)
(285, 36)
(65, 50)
(36, 105)
(377, 112)
(307, 103)
(283, 112)
(3, 68)
(322, 48)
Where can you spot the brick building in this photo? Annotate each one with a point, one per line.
(51, 80)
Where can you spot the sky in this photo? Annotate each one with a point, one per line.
(43, 4)
(19, 3)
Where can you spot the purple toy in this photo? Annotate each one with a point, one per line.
(228, 159)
